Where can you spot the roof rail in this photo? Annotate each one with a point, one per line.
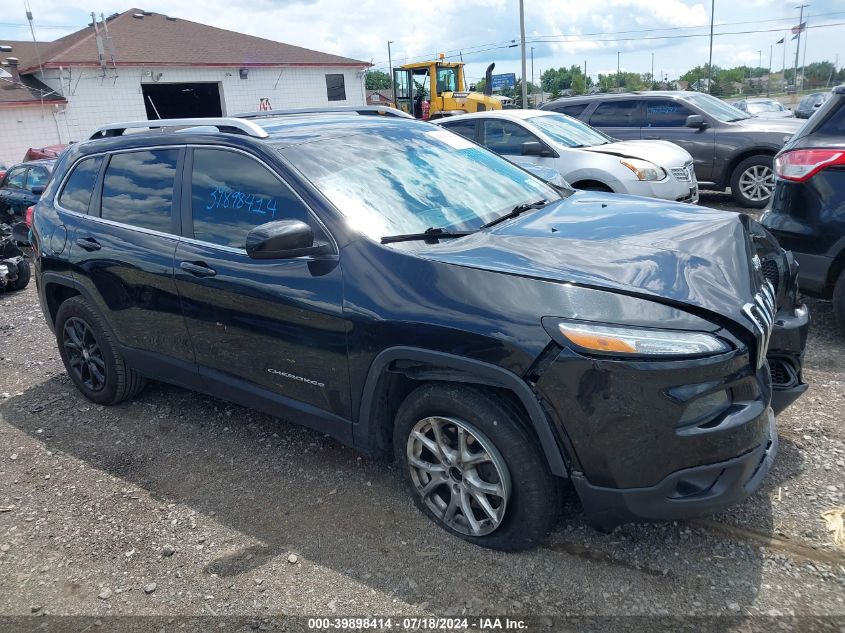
(223, 124)
(362, 110)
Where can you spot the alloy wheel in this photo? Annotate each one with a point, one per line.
(83, 353)
(757, 183)
(459, 474)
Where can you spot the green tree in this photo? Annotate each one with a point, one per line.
(579, 85)
(377, 80)
(480, 85)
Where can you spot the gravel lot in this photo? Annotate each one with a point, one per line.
(180, 504)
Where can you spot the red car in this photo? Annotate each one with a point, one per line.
(50, 151)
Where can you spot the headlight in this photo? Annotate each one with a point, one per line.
(643, 169)
(622, 340)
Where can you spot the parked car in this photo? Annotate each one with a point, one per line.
(21, 187)
(729, 147)
(50, 151)
(764, 108)
(583, 156)
(399, 288)
(3, 169)
(810, 103)
(807, 214)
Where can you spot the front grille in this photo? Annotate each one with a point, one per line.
(771, 272)
(684, 174)
(761, 313)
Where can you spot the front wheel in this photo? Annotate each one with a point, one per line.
(753, 181)
(474, 468)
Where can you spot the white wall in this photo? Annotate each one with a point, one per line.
(94, 100)
(29, 126)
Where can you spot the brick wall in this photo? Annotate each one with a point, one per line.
(94, 100)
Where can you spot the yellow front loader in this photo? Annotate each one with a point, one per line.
(443, 86)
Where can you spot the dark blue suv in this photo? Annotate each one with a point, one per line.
(393, 285)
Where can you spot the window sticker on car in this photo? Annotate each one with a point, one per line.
(225, 198)
(451, 139)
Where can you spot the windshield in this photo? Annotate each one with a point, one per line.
(408, 178)
(764, 106)
(567, 131)
(716, 108)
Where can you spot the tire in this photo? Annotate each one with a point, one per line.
(24, 275)
(839, 301)
(99, 372)
(522, 496)
(753, 181)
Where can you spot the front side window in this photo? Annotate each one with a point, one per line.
(666, 113)
(232, 193)
(716, 108)
(77, 191)
(569, 132)
(138, 189)
(16, 178)
(401, 178)
(617, 113)
(335, 87)
(573, 109)
(505, 137)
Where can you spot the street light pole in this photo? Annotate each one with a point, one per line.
(769, 76)
(710, 62)
(532, 73)
(798, 46)
(522, 46)
(652, 71)
(390, 71)
(618, 74)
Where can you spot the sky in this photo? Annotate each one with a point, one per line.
(562, 32)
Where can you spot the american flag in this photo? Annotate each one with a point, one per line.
(797, 29)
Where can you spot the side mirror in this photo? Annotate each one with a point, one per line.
(535, 148)
(38, 189)
(696, 121)
(283, 239)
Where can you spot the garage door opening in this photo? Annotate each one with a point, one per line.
(182, 101)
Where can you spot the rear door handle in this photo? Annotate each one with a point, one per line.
(88, 244)
(197, 269)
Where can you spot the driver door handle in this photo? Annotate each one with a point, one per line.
(197, 269)
(88, 243)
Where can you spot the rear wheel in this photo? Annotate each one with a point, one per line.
(24, 274)
(474, 468)
(753, 181)
(91, 357)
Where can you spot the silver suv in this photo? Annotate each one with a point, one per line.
(729, 147)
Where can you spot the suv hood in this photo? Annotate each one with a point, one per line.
(662, 153)
(676, 253)
(758, 124)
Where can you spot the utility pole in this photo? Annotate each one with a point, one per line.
(769, 76)
(798, 46)
(618, 74)
(652, 71)
(532, 74)
(522, 46)
(390, 72)
(804, 59)
(710, 62)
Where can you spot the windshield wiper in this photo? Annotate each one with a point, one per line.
(517, 210)
(430, 233)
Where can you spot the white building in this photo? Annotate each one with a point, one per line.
(155, 66)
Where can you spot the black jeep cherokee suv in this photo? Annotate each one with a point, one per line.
(404, 290)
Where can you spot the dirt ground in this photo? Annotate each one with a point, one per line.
(178, 504)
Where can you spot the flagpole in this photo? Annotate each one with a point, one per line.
(804, 59)
(798, 47)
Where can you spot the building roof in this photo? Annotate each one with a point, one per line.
(25, 90)
(143, 38)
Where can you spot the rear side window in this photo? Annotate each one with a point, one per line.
(37, 177)
(232, 193)
(835, 123)
(464, 128)
(666, 113)
(77, 191)
(574, 110)
(619, 113)
(138, 189)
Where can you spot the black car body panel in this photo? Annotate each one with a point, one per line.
(330, 337)
(716, 148)
(808, 216)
